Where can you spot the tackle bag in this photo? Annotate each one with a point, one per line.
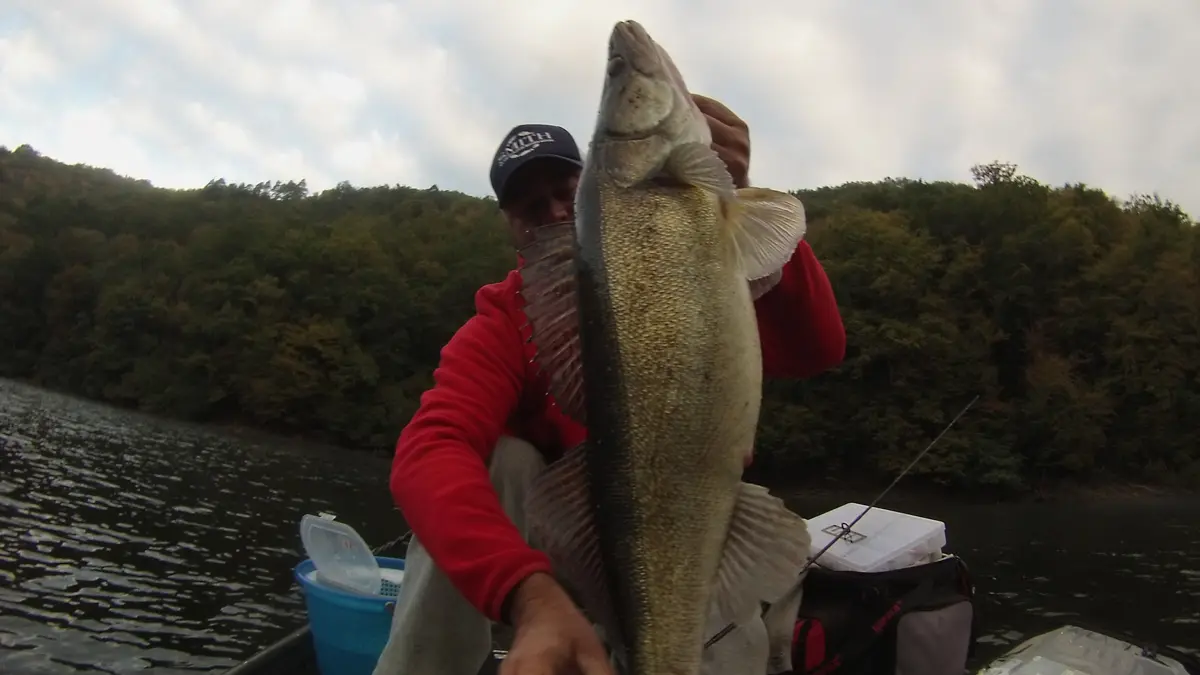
(918, 620)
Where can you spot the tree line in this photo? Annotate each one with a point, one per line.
(1074, 316)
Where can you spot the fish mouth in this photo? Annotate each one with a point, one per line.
(632, 47)
(633, 53)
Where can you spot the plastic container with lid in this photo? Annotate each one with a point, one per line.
(350, 595)
(883, 540)
(340, 555)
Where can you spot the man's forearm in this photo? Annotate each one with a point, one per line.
(447, 498)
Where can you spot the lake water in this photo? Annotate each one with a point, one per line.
(130, 544)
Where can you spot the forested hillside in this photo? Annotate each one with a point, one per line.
(1075, 316)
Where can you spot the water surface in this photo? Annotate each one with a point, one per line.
(130, 544)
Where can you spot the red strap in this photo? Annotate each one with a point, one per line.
(814, 650)
(809, 634)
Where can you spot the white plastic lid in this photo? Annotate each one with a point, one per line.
(882, 540)
(341, 557)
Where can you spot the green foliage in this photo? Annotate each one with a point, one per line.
(1075, 317)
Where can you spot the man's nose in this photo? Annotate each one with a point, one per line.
(561, 210)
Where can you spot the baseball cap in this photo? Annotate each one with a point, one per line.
(527, 142)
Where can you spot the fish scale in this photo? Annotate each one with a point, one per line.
(645, 301)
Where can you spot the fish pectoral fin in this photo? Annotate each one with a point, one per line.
(763, 285)
(548, 284)
(699, 165)
(767, 226)
(765, 550)
(559, 514)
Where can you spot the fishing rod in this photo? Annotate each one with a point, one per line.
(391, 544)
(845, 529)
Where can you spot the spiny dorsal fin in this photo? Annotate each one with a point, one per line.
(552, 307)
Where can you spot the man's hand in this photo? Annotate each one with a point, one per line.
(730, 138)
(552, 636)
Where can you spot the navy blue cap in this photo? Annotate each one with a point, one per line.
(526, 143)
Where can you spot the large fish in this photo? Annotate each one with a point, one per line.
(644, 320)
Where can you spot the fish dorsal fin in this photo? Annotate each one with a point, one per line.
(765, 550)
(552, 307)
(766, 225)
(562, 524)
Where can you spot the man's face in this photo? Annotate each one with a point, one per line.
(540, 193)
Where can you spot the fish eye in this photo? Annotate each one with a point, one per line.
(616, 65)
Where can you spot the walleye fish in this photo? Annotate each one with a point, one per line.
(645, 325)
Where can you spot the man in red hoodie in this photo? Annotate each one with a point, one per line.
(487, 427)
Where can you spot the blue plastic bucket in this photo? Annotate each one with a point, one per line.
(349, 630)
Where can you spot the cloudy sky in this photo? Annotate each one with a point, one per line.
(420, 92)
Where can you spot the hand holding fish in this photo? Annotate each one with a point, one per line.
(552, 635)
(731, 141)
(730, 138)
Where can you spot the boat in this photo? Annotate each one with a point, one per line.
(1075, 650)
(1068, 650)
(294, 655)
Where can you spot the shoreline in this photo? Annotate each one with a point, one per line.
(912, 487)
(909, 488)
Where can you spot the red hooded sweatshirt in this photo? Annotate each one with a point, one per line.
(486, 386)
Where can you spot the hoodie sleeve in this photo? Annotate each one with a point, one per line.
(439, 473)
(799, 322)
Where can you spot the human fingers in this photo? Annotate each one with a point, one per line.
(594, 662)
(537, 663)
(718, 111)
(730, 138)
(736, 162)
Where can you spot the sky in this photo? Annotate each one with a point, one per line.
(421, 92)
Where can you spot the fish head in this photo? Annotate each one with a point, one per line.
(646, 110)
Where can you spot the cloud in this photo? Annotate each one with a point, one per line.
(421, 92)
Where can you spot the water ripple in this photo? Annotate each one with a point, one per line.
(132, 545)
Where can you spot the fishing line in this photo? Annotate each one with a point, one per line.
(845, 529)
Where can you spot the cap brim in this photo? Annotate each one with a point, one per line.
(521, 162)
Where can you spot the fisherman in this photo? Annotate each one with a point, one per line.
(465, 461)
